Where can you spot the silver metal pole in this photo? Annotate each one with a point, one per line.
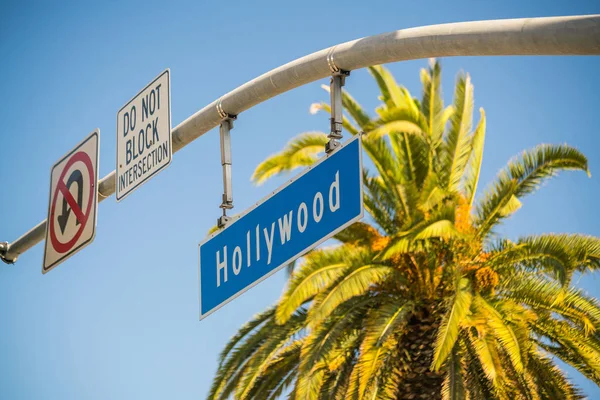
(572, 35)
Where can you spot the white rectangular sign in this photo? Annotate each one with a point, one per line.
(144, 135)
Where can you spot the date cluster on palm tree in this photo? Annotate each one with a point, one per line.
(423, 299)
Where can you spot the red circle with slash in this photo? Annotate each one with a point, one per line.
(82, 216)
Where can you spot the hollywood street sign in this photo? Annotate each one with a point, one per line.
(144, 136)
(282, 227)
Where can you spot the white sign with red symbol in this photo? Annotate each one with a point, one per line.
(73, 203)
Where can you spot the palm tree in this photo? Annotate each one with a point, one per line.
(423, 300)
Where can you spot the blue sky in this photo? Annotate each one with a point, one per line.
(119, 320)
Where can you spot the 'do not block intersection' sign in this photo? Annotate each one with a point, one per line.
(144, 136)
(73, 202)
(297, 217)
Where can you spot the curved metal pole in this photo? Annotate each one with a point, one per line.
(574, 35)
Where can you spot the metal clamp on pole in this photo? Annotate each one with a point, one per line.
(338, 79)
(4, 251)
(225, 132)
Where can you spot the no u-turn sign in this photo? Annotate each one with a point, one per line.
(73, 202)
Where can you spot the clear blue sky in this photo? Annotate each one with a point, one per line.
(120, 319)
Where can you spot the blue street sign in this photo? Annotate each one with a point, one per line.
(282, 227)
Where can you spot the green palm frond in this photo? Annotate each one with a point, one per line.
(230, 370)
(412, 154)
(282, 385)
(347, 352)
(258, 364)
(379, 205)
(391, 379)
(382, 77)
(474, 166)
(245, 330)
(481, 345)
(399, 246)
(560, 254)
(586, 349)
(434, 198)
(309, 386)
(551, 381)
(524, 384)
(458, 140)
(381, 325)
(543, 295)
(432, 101)
(577, 252)
(387, 211)
(395, 127)
(438, 226)
(352, 390)
(501, 331)
(320, 269)
(355, 110)
(326, 342)
(512, 206)
(584, 250)
(453, 387)
(416, 238)
(522, 176)
(382, 156)
(397, 120)
(392, 94)
(301, 151)
(401, 197)
(440, 229)
(347, 346)
(458, 309)
(355, 281)
(279, 372)
(572, 358)
(477, 380)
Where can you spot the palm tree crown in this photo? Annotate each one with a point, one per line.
(423, 300)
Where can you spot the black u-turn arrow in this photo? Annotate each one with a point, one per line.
(66, 210)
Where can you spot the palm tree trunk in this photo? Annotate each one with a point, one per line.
(418, 380)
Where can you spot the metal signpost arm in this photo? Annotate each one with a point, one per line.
(560, 36)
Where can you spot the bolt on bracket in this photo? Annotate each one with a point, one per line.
(4, 251)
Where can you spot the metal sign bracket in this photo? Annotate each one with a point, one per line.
(225, 133)
(338, 79)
